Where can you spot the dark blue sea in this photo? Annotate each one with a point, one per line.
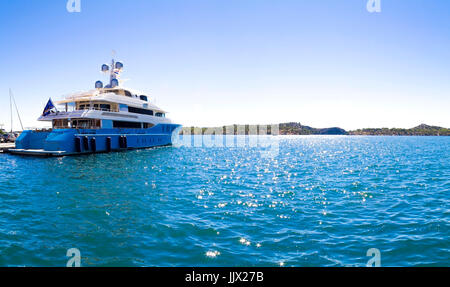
(318, 201)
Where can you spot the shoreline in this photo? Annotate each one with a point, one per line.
(299, 129)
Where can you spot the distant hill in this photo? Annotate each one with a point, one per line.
(299, 129)
(421, 130)
(284, 129)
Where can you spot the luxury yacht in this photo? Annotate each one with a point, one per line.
(107, 118)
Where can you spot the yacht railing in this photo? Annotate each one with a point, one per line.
(88, 94)
(97, 109)
(80, 95)
(77, 112)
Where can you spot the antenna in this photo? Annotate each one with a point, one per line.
(113, 64)
(112, 75)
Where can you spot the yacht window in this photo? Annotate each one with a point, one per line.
(148, 125)
(159, 114)
(140, 111)
(60, 124)
(86, 124)
(128, 94)
(105, 107)
(125, 125)
(143, 98)
(106, 91)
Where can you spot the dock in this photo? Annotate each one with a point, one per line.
(5, 147)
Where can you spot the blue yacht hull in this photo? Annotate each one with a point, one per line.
(62, 142)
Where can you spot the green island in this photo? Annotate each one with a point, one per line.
(299, 129)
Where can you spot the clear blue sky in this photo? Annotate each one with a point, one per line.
(320, 62)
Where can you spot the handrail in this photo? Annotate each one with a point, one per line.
(77, 95)
(87, 94)
(97, 109)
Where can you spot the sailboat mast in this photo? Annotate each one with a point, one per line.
(10, 109)
(15, 105)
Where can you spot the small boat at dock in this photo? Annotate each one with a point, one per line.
(5, 147)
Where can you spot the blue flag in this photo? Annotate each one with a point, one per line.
(48, 108)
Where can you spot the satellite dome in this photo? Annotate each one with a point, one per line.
(98, 85)
(119, 65)
(114, 83)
